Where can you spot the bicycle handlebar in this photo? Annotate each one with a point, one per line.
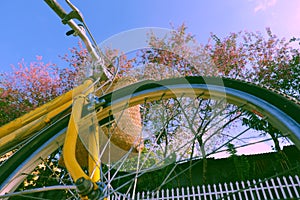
(68, 19)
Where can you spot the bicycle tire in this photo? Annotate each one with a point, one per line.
(282, 112)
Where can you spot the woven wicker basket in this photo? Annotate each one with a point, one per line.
(124, 132)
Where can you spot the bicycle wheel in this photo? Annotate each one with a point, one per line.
(185, 123)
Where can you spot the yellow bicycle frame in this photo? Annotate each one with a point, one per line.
(69, 149)
(28, 124)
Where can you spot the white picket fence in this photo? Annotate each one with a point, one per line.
(277, 188)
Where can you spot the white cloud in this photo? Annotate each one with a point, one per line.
(262, 5)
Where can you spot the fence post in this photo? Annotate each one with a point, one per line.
(168, 194)
(215, 191)
(244, 189)
(204, 191)
(187, 192)
(262, 188)
(226, 189)
(294, 185)
(256, 189)
(238, 190)
(281, 188)
(209, 192)
(269, 189)
(287, 187)
(250, 189)
(275, 188)
(172, 193)
(233, 190)
(193, 192)
(221, 191)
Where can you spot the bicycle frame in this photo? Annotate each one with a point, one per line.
(71, 138)
(69, 149)
(25, 126)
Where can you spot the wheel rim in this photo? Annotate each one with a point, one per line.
(276, 116)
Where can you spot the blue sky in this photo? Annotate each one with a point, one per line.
(30, 28)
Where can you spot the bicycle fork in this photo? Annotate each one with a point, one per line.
(86, 184)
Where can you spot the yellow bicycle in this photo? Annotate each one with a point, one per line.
(142, 137)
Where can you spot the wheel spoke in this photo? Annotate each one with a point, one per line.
(181, 126)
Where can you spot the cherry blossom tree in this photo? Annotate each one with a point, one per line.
(31, 85)
(262, 59)
(269, 61)
(265, 60)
